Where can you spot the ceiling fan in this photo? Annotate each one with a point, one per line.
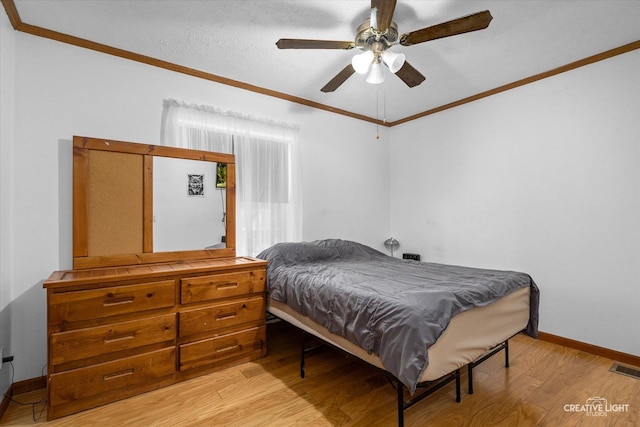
(377, 34)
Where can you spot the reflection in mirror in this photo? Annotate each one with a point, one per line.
(188, 206)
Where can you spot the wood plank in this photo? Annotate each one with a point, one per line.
(81, 204)
(147, 204)
(542, 379)
(174, 266)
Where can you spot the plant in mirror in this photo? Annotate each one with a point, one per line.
(221, 175)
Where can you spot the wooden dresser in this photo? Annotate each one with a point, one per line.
(115, 332)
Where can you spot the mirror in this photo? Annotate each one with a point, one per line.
(188, 207)
(139, 204)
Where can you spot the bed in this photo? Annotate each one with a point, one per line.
(420, 322)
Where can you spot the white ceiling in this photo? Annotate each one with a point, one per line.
(236, 39)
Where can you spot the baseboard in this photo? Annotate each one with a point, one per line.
(618, 356)
(41, 382)
(21, 387)
(4, 405)
(32, 384)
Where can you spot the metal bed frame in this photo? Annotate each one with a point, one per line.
(429, 387)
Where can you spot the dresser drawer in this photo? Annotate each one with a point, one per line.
(82, 383)
(224, 347)
(90, 342)
(104, 302)
(205, 288)
(221, 315)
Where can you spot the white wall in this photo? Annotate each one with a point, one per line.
(7, 60)
(543, 179)
(63, 91)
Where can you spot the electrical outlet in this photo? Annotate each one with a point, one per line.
(3, 359)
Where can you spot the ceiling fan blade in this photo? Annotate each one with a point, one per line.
(410, 75)
(340, 78)
(474, 22)
(314, 44)
(384, 15)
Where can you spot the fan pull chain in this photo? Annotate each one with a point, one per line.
(378, 113)
(384, 107)
(384, 101)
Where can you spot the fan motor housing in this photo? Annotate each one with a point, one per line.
(366, 35)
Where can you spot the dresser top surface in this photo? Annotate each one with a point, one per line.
(97, 275)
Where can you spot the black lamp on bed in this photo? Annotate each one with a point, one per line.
(391, 244)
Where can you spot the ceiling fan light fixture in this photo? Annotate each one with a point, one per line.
(362, 62)
(374, 38)
(376, 75)
(394, 61)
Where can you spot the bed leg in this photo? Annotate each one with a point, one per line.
(400, 390)
(502, 346)
(304, 335)
(458, 385)
(506, 354)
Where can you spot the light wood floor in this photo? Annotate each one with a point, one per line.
(341, 391)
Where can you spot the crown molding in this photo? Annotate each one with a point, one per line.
(536, 77)
(18, 25)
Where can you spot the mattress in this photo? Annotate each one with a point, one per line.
(468, 335)
(393, 308)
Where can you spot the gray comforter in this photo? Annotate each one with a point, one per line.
(394, 308)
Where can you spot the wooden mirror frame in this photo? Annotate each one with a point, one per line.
(81, 257)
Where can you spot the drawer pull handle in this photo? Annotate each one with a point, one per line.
(119, 374)
(228, 285)
(118, 301)
(226, 316)
(129, 336)
(227, 348)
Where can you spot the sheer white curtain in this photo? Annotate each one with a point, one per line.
(268, 193)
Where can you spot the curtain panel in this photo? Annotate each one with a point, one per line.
(268, 192)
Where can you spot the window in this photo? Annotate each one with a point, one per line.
(268, 196)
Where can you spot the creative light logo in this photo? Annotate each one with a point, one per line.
(596, 407)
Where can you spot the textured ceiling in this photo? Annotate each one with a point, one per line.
(236, 40)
